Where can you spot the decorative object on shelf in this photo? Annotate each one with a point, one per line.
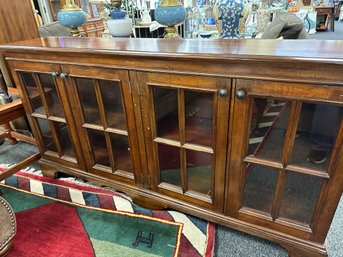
(145, 16)
(119, 25)
(170, 13)
(228, 14)
(72, 16)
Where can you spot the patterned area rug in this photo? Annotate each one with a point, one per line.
(101, 222)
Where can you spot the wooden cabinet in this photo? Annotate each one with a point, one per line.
(218, 129)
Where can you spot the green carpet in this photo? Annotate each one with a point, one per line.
(85, 231)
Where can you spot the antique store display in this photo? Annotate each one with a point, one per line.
(195, 125)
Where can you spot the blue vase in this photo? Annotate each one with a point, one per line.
(229, 13)
(119, 25)
(170, 13)
(71, 18)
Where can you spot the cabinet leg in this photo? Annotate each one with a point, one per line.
(48, 171)
(294, 251)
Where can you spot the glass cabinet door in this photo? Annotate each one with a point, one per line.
(47, 107)
(282, 167)
(185, 122)
(102, 106)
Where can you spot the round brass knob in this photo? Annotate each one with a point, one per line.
(223, 92)
(54, 74)
(64, 75)
(240, 94)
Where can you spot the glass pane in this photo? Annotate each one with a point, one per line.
(166, 113)
(64, 139)
(268, 128)
(316, 135)
(32, 90)
(88, 100)
(51, 95)
(113, 104)
(99, 148)
(260, 187)
(199, 171)
(46, 135)
(300, 196)
(121, 152)
(199, 118)
(170, 165)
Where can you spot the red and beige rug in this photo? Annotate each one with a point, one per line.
(63, 218)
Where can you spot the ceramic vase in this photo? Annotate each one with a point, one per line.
(119, 25)
(170, 13)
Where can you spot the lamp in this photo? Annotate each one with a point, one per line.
(119, 25)
(170, 13)
(72, 16)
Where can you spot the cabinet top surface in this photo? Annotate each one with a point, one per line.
(314, 50)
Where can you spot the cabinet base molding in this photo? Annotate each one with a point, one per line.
(304, 252)
(296, 247)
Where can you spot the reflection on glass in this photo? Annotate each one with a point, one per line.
(99, 148)
(300, 196)
(64, 139)
(169, 162)
(268, 128)
(199, 171)
(121, 152)
(316, 135)
(260, 187)
(166, 113)
(88, 101)
(199, 118)
(113, 104)
(32, 90)
(46, 135)
(51, 95)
